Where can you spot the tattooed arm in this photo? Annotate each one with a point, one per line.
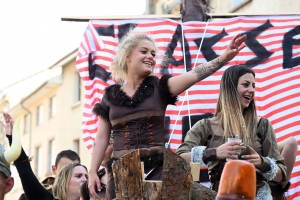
(204, 70)
(178, 84)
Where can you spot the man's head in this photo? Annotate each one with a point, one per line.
(63, 159)
(6, 184)
(6, 181)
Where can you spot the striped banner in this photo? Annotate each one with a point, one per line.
(273, 51)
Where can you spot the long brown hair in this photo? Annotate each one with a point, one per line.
(229, 107)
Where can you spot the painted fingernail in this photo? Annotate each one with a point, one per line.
(242, 156)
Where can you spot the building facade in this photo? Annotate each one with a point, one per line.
(50, 120)
(251, 7)
(259, 7)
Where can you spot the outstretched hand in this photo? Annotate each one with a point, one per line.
(234, 47)
(7, 124)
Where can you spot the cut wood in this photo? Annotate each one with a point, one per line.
(177, 181)
(176, 177)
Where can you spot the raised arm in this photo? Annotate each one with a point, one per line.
(178, 84)
(34, 190)
(100, 145)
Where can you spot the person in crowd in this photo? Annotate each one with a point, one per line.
(6, 157)
(67, 183)
(63, 159)
(134, 108)
(236, 119)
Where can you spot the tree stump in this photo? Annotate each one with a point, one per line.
(128, 176)
(200, 192)
(176, 177)
(176, 180)
(152, 190)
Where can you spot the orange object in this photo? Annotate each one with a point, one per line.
(238, 181)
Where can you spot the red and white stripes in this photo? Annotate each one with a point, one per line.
(277, 89)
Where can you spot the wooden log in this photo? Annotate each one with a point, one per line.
(200, 192)
(176, 177)
(176, 180)
(128, 176)
(152, 190)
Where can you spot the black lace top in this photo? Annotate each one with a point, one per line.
(137, 122)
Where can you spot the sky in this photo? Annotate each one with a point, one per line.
(33, 37)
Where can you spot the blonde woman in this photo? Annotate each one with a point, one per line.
(236, 117)
(134, 109)
(68, 182)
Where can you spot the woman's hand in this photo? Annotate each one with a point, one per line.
(7, 124)
(94, 182)
(233, 48)
(253, 158)
(229, 150)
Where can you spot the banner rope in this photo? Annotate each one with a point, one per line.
(186, 92)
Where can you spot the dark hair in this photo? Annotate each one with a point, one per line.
(229, 106)
(233, 73)
(230, 79)
(23, 197)
(72, 155)
(84, 190)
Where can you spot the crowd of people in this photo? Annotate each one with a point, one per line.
(131, 116)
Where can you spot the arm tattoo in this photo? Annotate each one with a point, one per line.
(204, 70)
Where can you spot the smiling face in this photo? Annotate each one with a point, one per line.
(141, 61)
(245, 88)
(79, 176)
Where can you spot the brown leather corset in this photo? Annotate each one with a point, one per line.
(140, 132)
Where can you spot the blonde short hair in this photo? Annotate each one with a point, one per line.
(118, 67)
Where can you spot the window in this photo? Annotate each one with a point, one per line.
(77, 88)
(236, 4)
(39, 115)
(51, 155)
(38, 162)
(27, 123)
(52, 108)
(76, 146)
